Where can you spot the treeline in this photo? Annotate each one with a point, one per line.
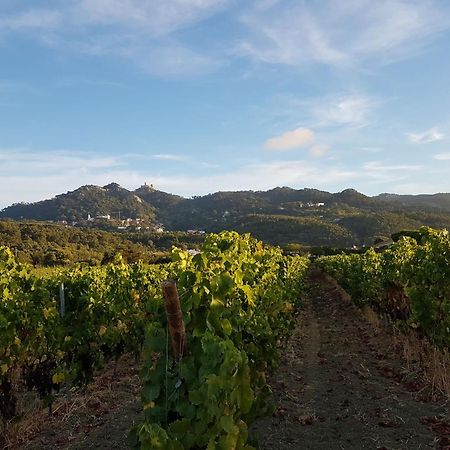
(48, 244)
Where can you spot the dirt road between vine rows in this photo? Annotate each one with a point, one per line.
(341, 386)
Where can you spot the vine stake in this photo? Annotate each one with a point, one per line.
(175, 321)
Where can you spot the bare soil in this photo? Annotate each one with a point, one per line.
(342, 386)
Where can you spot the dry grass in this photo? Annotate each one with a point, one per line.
(373, 318)
(433, 363)
(76, 414)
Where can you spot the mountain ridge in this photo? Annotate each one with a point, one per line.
(278, 215)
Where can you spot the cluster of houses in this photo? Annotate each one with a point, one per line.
(310, 204)
(100, 217)
(129, 224)
(196, 232)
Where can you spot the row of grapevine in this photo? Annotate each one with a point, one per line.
(106, 309)
(237, 298)
(410, 281)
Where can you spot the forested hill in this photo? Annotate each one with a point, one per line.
(111, 199)
(281, 215)
(437, 201)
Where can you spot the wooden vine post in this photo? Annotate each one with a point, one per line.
(175, 321)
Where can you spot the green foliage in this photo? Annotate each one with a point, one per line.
(105, 314)
(237, 299)
(56, 245)
(418, 267)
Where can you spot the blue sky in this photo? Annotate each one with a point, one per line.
(196, 96)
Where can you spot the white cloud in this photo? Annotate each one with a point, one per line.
(442, 156)
(319, 150)
(290, 140)
(431, 135)
(169, 157)
(347, 109)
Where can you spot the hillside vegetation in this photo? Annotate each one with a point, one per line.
(279, 216)
(51, 244)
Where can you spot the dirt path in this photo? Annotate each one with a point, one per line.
(339, 386)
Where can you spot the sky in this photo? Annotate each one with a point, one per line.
(197, 96)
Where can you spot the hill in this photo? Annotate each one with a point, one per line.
(429, 201)
(89, 200)
(280, 216)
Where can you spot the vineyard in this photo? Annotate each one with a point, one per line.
(409, 282)
(239, 302)
(237, 299)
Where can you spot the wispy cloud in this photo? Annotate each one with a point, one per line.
(172, 60)
(145, 16)
(344, 109)
(154, 18)
(138, 30)
(442, 156)
(379, 176)
(428, 136)
(36, 175)
(372, 149)
(319, 150)
(380, 167)
(27, 161)
(169, 157)
(32, 19)
(290, 140)
(155, 156)
(341, 34)
(340, 111)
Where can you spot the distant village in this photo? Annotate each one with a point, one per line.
(128, 224)
(137, 224)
